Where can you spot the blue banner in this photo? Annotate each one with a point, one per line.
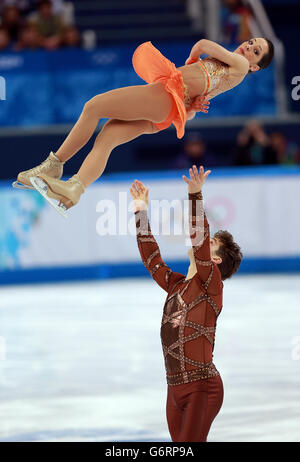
(51, 87)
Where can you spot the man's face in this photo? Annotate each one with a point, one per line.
(12, 14)
(46, 10)
(215, 244)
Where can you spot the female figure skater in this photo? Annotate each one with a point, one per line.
(172, 96)
(192, 306)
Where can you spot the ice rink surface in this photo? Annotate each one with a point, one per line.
(83, 361)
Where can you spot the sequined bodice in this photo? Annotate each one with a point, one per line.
(192, 305)
(185, 331)
(216, 70)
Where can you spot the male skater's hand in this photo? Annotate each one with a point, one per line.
(196, 180)
(139, 193)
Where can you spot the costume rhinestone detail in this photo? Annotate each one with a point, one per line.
(192, 306)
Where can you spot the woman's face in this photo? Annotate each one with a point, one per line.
(253, 50)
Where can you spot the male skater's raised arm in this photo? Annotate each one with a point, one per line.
(204, 248)
(148, 246)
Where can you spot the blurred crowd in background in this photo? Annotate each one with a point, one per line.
(235, 19)
(253, 146)
(49, 24)
(37, 24)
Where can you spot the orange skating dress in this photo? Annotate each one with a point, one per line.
(152, 66)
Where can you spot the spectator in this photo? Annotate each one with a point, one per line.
(253, 146)
(12, 22)
(29, 39)
(49, 25)
(22, 5)
(194, 9)
(4, 40)
(235, 17)
(195, 152)
(71, 37)
(286, 153)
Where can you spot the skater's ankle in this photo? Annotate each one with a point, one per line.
(56, 157)
(79, 177)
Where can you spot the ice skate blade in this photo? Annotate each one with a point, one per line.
(18, 185)
(42, 188)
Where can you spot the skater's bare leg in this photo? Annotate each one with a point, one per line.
(144, 102)
(114, 133)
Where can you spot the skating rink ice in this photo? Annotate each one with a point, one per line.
(83, 361)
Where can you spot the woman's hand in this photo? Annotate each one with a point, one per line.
(196, 180)
(200, 104)
(191, 60)
(139, 194)
(214, 50)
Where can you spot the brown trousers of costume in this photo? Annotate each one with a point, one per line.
(192, 407)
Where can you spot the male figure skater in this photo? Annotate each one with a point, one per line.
(194, 301)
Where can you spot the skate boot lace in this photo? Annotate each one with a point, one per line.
(47, 162)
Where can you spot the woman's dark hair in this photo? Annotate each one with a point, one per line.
(230, 253)
(267, 57)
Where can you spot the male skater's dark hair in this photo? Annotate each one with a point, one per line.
(231, 254)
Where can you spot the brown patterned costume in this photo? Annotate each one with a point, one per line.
(188, 328)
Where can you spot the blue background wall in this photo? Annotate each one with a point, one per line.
(51, 87)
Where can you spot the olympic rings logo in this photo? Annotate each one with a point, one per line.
(220, 211)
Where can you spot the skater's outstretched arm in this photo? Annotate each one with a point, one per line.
(148, 247)
(207, 269)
